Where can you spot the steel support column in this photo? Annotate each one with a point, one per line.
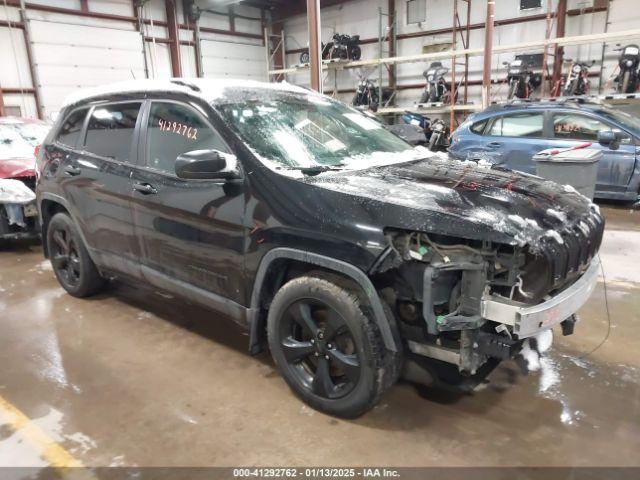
(1, 102)
(558, 51)
(174, 37)
(488, 50)
(313, 23)
(32, 67)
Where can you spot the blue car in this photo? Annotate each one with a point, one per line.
(511, 134)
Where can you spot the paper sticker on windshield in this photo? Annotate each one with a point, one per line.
(362, 121)
(178, 128)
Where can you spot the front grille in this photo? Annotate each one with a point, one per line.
(569, 259)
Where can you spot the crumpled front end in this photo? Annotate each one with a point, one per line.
(18, 210)
(463, 306)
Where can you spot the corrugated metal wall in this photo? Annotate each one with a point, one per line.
(73, 51)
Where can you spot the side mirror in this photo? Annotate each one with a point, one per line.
(207, 165)
(610, 138)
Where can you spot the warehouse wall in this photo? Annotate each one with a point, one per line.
(72, 51)
(361, 17)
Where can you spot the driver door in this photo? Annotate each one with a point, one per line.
(190, 231)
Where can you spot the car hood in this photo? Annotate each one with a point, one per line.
(463, 199)
(17, 167)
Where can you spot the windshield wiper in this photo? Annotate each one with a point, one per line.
(316, 169)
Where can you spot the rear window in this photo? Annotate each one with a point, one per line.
(528, 124)
(71, 128)
(110, 130)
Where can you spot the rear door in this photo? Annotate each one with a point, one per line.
(98, 184)
(191, 231)
(514, 138)
(571, 128)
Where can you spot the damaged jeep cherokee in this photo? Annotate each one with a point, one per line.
(353, 256)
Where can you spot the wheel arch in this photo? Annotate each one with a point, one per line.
(48, 205)
(268, 270)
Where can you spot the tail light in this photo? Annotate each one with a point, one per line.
(36, 151)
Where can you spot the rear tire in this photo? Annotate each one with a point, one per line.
(327, 349)
(625, 82)
(304, 57)
(71, 262)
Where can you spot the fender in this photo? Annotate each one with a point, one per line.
(330, 263)
(62, 201)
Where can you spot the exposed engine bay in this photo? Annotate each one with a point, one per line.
(463, 305)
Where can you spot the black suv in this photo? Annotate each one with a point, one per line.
(354, 256)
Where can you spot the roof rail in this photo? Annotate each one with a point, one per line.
(193, 87)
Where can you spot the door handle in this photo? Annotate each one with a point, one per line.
(494, 144)
(145, 188)
(72, 170)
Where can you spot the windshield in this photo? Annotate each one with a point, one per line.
(623, 118)
(18, 140)
(310, 131)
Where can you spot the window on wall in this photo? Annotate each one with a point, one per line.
(527, 4)
(110, 130)
(416, 11)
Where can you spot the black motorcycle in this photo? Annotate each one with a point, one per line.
(438, 137)
(368, 94)
(437, 89)
(346, 47)
(577, 82)
(521, 79)
(342, 46)
(628, 62)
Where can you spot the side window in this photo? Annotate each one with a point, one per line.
(528, 125)
(71, 128)
(571, 126)
(174, 129)
(110, 130)
(478, 127)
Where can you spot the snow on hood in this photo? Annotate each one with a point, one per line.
(14, 191)
(209, 89)
(522, 207)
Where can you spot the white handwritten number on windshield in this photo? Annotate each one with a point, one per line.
(178, 128)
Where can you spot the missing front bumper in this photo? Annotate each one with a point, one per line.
(529, 320)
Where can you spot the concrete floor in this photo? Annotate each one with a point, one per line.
(131, 378)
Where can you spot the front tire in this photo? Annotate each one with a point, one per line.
(71, 262)
(327, 349)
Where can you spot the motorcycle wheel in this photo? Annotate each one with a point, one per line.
(424, 98)
(304, 57)
(570, 90)
(625, 82)
(355, 52)
(433, 141)
(512, 90)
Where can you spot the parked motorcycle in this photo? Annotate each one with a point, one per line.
(346, 47)
(577, 82)
(521, 79)
(439, 135)
(628, 62)
(368, 94)
(437, 88)
(342, 46)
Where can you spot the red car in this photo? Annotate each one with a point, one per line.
(19, 138)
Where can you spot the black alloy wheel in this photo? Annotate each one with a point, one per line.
(327, 345)
(64, 256)
(71, 262)
(319, 348)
